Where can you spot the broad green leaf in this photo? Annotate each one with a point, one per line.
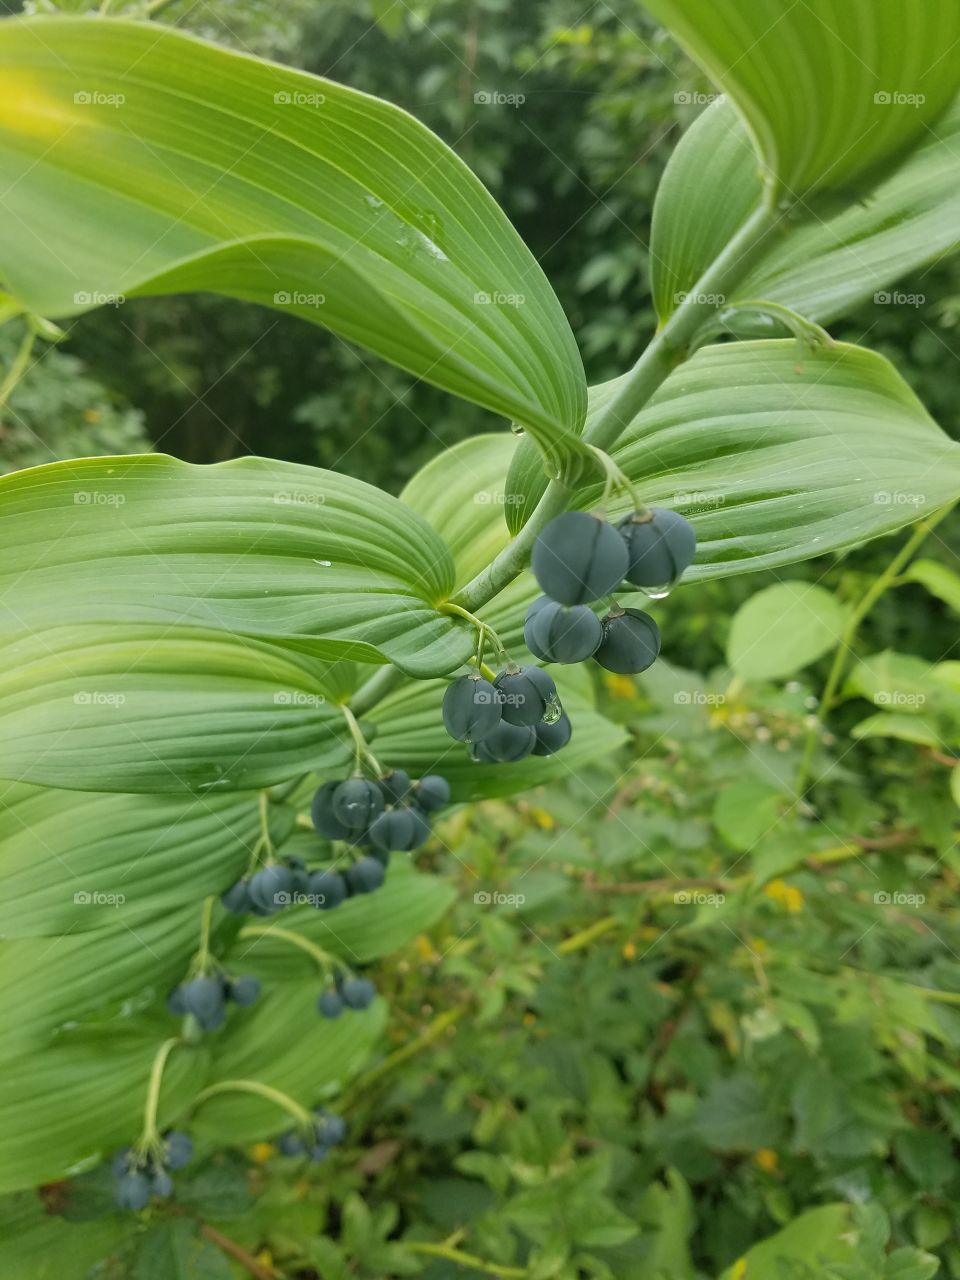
(190, 167)
(253, 547)
(48, 984)
(72, 1104)
(831, 94)
(73, 863)
(825, 266)
(711, 185)
(814, 1238)
(784, 628)
(168, 627)
(776, 457)
(132, 707)
(462, 494)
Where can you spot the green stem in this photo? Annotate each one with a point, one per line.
(845, 646)
(206, 916)
(435, 1030)
(374, 690)
(361, 750)
(669, 348)
(151, 1134)
(300, 1114)
(17, 368)
(323, 958)
(465, 1259)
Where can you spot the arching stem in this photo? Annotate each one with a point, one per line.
(361, 750)
(300, 1114)
(323, 959)
(150, 1137)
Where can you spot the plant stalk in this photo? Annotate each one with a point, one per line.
(300, 1114)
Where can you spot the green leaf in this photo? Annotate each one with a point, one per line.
(745, 811)
(168, 627)
(782, 629)
(910, 1264)
(40, 1246)
(176, 1251)
(831, 94)
(461, 493)
(75, 863)
(190, 167)
(774, 458)
(938, 579)
(824, 267)
(814, 1238)
(907, 728)
(67, 1107)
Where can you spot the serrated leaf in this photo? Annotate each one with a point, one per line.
(211, 170)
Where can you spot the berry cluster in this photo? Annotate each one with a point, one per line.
(140, 1177)
(326, 1131)
(207, 997)
(579, 559)
(515, 715)
(389, 814)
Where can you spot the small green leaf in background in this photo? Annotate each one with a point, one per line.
(177, 1251)
(939, 580)
(782, 629)
(817, 1237)
(745, 811)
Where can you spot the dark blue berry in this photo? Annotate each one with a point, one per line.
(553, 737)
(507, 743)
(365, 875)
(357, 993)
(471, 708)
(327, 889)
(237, 898)
(245, 990)
(432, 792)
(133, 1190)
(526, 694)
(291, 1144)
(271, 889)
(329, 1004)
(660, 545)
(558, 634)
(179, 1149)
(631, 642)
(357, 802)
(204, 998)
(394, 785)
(578, 558)
(324, 818)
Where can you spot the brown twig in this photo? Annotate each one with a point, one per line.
(676, 883)
(259, 1270)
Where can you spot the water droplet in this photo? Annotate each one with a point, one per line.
(373, 201)
(657, 593)
(324, 564)
(553, 711)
